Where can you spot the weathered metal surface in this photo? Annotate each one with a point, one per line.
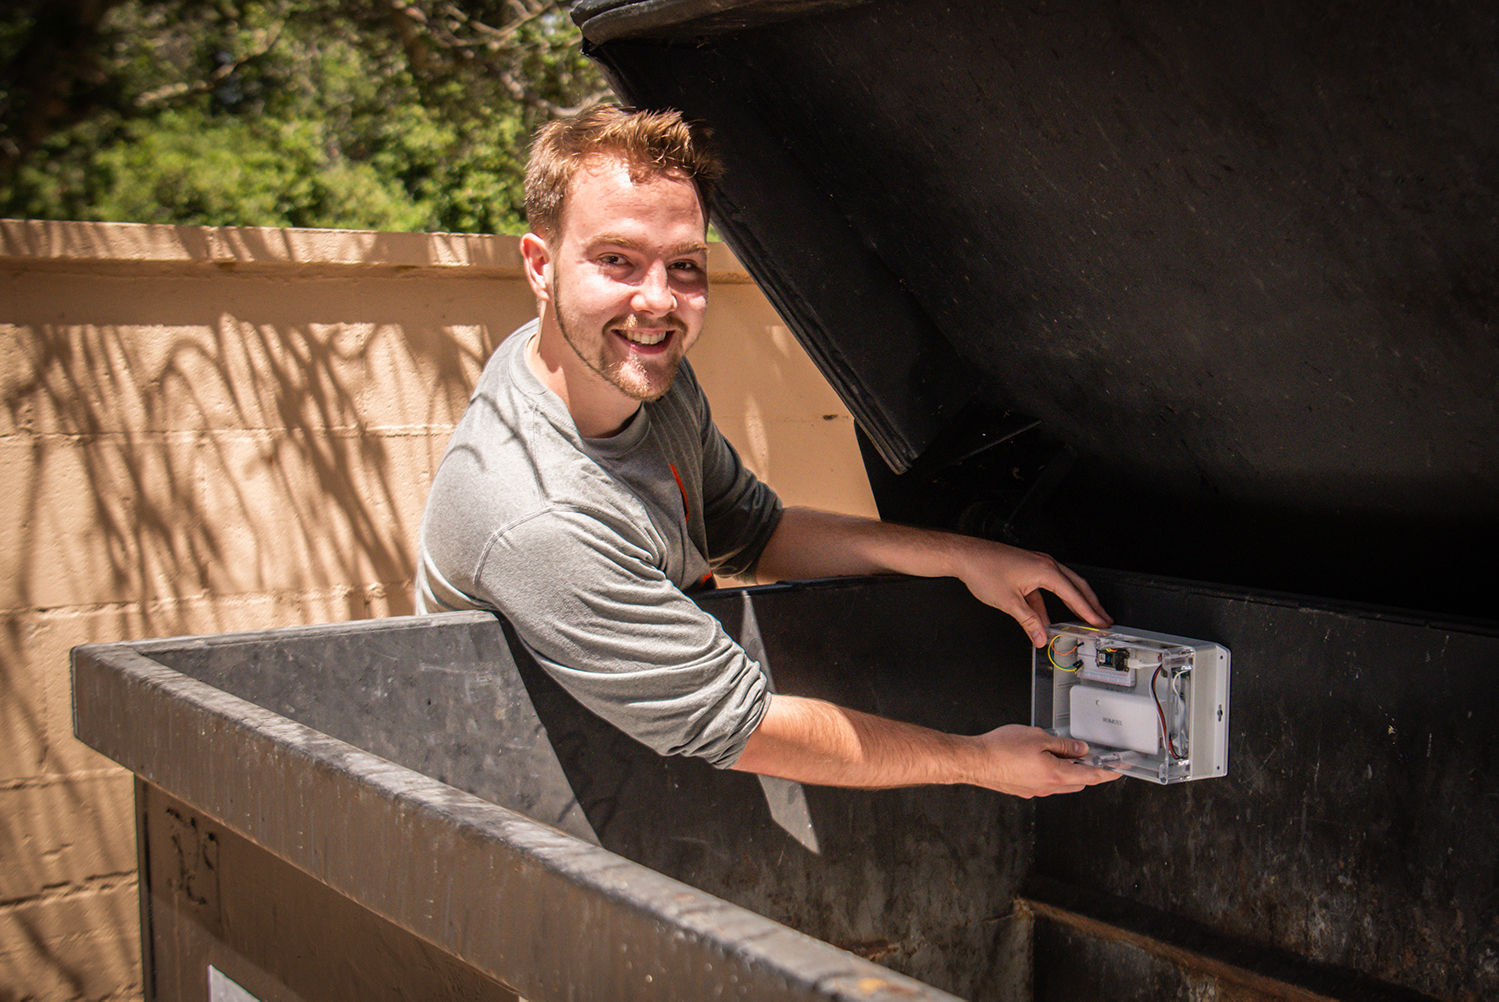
(1235, 256)
(1359, 826)
(1351, 853)
(215, 898)
(1081, 963)
(921, 881)
(523, 903)
(1090, 945)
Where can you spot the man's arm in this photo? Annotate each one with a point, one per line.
(811, 544)
(812, 741)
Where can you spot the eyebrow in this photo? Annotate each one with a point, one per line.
(619, 240)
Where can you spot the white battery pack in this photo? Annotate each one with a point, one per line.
(1115, 719)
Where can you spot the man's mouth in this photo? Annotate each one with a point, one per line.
(640, 337)
(647, 335)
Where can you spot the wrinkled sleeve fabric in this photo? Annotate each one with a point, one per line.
(584, 548)
(620, 636)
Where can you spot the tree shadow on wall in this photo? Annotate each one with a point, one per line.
(277, 446)
(196, 452)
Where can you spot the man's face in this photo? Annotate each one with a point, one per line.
(629, 279)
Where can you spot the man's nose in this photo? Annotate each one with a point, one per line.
(654, 293)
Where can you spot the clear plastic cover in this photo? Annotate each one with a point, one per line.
(1128, 695)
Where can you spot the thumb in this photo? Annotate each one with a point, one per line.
(1068, 747)
(1029, 622)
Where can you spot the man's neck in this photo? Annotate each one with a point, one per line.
(598, 409)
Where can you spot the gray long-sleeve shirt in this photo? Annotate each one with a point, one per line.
(588, 545)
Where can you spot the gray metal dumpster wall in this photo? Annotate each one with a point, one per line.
(1353, 851)
(1356, 840)
(921, 881)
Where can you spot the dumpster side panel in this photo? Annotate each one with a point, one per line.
(920, 881)
(215, 898)
(1358, 828)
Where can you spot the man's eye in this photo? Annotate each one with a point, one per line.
(687, 267)
(612, 260)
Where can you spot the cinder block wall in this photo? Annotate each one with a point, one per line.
(209, 430)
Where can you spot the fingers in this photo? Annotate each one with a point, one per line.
(1029, 762)
(1088, 605)
(1013, 580)
(1038, 606)
(1027, 608)
(1078, 775)
(1092, 775)
(1030, 621)
(1075, 593)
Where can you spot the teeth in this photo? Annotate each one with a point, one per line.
(644, 337)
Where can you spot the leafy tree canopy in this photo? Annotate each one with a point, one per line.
(378, 114)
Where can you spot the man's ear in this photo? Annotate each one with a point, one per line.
(536, 256)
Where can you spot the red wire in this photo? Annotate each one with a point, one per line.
(1160, 712)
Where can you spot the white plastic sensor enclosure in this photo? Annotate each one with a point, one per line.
(1149, 705)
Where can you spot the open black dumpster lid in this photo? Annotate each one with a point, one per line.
(1207, 291)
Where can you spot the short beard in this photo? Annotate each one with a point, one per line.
(614, 374)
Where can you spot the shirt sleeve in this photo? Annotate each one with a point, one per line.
(584, 595)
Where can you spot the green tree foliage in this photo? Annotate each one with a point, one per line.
(381, 114)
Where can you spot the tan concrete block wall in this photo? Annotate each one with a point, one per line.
(210, 430)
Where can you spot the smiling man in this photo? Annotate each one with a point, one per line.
(627, 285)
(586, 492)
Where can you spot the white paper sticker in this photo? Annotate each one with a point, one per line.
(221, 989)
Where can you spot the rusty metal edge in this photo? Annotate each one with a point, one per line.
(1184, 959)
(537, 910)
(1201, 951)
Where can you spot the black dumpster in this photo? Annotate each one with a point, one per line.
(1195, 291)
(1182, 294)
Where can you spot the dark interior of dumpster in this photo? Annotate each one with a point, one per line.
(1201, 291)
